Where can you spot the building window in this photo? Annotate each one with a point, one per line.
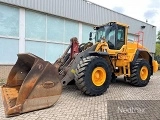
(9, 34)
(9, 21)
(71, 30)
(8, 50)
(55, 29)
(35, 25)
(86, 29)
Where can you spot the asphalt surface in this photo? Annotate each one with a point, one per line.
(120, 102)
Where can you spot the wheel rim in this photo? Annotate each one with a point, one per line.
(98, 76)
(144, 73)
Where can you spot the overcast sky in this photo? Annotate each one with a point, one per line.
(140, 9)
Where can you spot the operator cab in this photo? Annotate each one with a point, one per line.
(113, 33)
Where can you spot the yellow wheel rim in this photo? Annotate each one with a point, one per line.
(144, 73)
(98, 76)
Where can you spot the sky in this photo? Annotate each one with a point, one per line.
(144, 10)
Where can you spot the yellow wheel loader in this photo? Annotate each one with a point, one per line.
(35, 84)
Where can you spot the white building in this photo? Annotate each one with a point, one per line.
(44, 27)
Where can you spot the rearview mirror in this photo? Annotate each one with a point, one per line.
(90, 36)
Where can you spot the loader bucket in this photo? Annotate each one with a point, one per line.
(32, 84)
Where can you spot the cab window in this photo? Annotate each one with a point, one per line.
(120, 37)
(112, 39)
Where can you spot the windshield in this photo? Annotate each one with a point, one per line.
(113, 34)
(102, 33)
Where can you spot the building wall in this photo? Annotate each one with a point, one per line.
(23, 30)
(87, 12)
(47, 36)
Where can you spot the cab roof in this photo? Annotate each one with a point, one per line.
(110, 23)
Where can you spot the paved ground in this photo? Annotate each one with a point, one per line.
(73, 105)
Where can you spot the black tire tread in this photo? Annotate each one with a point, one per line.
(79, 81)
(80, 74)
(135, 80)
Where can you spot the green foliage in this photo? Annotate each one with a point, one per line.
(158, 35)
(157, 53)
(157, 49)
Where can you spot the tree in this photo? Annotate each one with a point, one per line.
(158, 35)
(157, 54)
(157, 48)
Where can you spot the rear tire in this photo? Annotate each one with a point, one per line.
(85, 72)
(140, 73)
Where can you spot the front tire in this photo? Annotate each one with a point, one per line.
(140, 73)
(93, 75)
